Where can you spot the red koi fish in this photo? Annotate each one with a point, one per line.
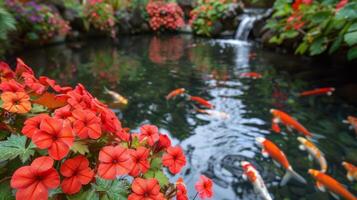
(351, 171)
(318, 91)
(175, 93)
(253, 75)
(324, 181)
(250, 173)
(288, 121)
(270, 149)
(201, 101)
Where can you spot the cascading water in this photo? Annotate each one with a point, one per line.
(249, 17)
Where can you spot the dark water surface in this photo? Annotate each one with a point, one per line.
(145, 68)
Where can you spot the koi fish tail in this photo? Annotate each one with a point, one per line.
(290, 173)
(106, 90)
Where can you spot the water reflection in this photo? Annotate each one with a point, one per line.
(145, 68)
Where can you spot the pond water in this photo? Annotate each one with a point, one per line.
(146, 68)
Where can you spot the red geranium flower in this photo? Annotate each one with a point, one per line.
(32, 125)
(33, 182)
(32, 83)
(77, 173)
(110, 121)
(123, 135)
(21, 67)
(341, 4)
(181, 193)
(64, 113)
(52, 83)
(174, 159)
(17, 102)
(140, 161)
(87, 124)
(114, 161)
(204, 187)
(54, 135)
(5, 71)
(150, 133)
(163, 144)
(148, 189)
(11, 86)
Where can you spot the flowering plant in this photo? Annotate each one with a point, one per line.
(38, 21)
(163, 15)
(317, 26)
(99, 15)
(206, 13)
(61, 141)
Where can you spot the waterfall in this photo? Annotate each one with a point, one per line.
(248, 18)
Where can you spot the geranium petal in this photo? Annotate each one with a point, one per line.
(51, 125)
(85, 176)
(71, 185)
(58, 150)
(139, 186)
(42, 164)
(107, 171)
(51, 178)
(42, 139)
(66, 136)
(35, 191)
(23, 177)
(106, 154)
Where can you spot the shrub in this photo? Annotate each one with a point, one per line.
(38, 21)
(206, 14)
(164, 16)
(100, 16)
(318, 26)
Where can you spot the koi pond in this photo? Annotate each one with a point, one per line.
(144, 69)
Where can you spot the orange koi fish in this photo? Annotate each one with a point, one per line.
(270, 149)
(175, 93)
(288, 121)
(351, 171)
(353, 122)
(116, 97)
(201, 101)
(324, 181)
(314, 152)
(253, 75)
(250, 173)
(318, 91)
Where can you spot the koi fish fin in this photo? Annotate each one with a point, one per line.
(106, 90)
(289, 129)
(302, 147)
(320, 187)
(290, 173)
(244, 177)
(329, 93)
(335, 196)
(265, 153)
(349, 176)
(345, 121)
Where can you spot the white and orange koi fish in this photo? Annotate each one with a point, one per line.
(351, 171)
(270, 149)
(116, 97)
(215, 113)
(324, 181)
(327, 90)
(353, 122)
(314, 152)
(291, 123)
(250, 173)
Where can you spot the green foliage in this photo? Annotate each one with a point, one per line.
(16, 146)
(318, 27)
(206, 14)
(5, 191)
(7, 23)
(110, 190)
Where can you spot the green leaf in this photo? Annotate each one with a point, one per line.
(80, 147)
(352, 53)
(159, 175)
(349, 12)
(276, 40)
(353, 27)
(113, 190)
(36, 108)
(351, 38)
(156, 164)
(5, 191)
(301, 49)
(84, 195)
(336, 44)
(319, 17)
(318, 46)
(14, 146)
